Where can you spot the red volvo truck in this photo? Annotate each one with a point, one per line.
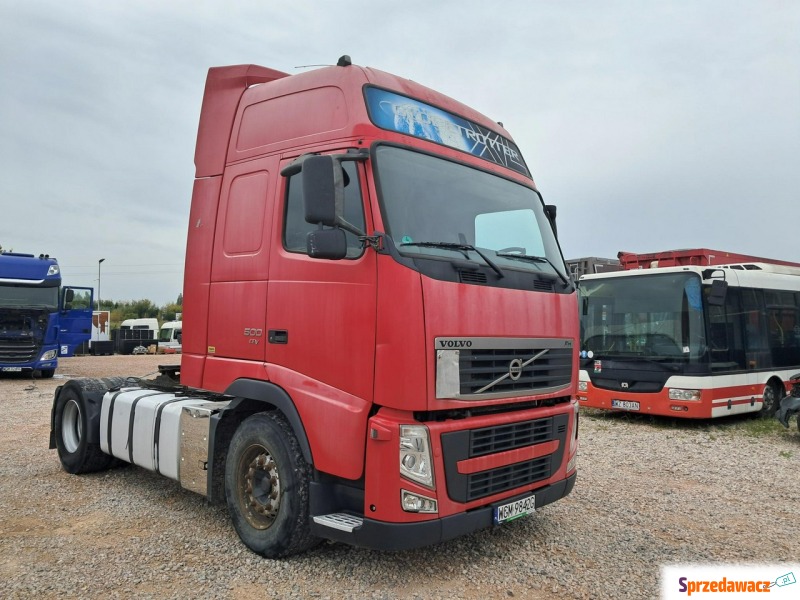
(380, 341)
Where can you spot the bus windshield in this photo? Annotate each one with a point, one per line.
(657, 319)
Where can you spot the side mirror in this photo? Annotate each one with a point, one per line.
(323, 190)
(718, 292)
(69, 295)
(327, 243)
(550, 210)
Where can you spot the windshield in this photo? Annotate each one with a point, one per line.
(438, 208)
(658, 317)
(29, 296)
(165, 335)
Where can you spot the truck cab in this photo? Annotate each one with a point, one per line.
(377, 253)
(381, 329)
(39, 320)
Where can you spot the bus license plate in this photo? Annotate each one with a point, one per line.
(625, 404)
(514, 510)
(12, 369)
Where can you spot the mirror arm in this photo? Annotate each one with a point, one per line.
(296, 165)
(372, 241)
(340, 222)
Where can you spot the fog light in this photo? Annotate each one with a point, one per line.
(417, 503)
(678, 394)
(571, 464)
(49, 355)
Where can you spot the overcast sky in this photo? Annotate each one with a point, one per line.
(652, 125)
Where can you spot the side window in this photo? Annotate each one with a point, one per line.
(295, 227)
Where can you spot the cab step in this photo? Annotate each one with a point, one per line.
(341, 521)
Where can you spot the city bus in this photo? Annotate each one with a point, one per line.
(690, 341)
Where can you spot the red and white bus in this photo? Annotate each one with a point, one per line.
(690, 341)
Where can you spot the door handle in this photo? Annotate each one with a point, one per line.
(278, 336)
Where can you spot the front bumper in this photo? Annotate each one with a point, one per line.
(381, 535)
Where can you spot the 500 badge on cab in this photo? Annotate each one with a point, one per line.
(253, 333)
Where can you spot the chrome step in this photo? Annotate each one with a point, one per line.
(341, 521)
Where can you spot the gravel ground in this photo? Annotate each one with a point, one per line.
(649, 492)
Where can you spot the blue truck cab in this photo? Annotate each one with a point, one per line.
(39, 319)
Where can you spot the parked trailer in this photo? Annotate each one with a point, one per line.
(351, 370)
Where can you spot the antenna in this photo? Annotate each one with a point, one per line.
(344, 61)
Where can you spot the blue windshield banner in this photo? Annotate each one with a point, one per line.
(406, 115)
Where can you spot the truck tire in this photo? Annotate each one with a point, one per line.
(71, 427)
(267, 487)
(46, 373)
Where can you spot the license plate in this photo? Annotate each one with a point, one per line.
(625, 404)
(12, 369)
(514, 510)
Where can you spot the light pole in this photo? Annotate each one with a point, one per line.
(99, 262)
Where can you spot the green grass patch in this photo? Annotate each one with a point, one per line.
(748, 425)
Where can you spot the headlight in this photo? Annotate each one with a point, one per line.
(49, 355)
(52, 270)
(677, 394)
(415, 454)
(583, 386)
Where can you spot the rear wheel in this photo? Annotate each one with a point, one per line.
(71, 428)
(267, 487)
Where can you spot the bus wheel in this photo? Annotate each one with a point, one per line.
(267, 487)
(71, 428)
(771, 400)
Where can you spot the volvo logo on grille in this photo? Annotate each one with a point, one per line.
(515, 369)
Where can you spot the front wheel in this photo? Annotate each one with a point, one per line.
(267, 487)
(71, 428)
(771, 401)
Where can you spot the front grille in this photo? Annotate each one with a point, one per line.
(18, 351)
(508, 437)
(640, 387)
(462, 445)
(507, 478)
(488, 371)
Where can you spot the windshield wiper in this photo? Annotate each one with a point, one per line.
(462, 247)
(537, 259)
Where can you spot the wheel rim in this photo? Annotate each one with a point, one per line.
(259, 487)
(71, 426)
